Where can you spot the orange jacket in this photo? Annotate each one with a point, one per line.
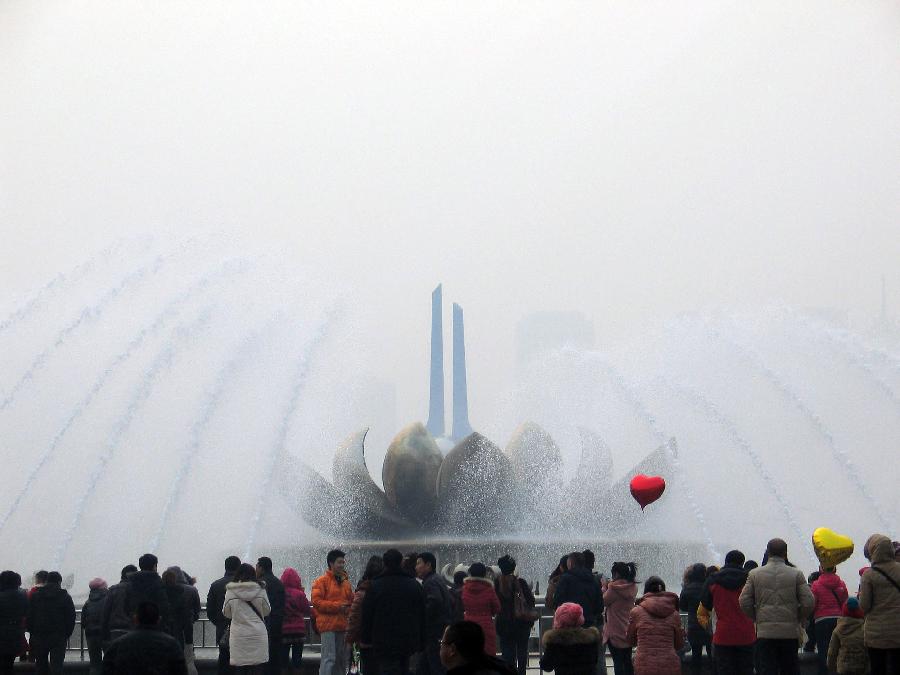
(328, 597)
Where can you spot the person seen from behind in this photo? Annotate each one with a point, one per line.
(146, 650)
(393, 617)
(246, 606)
(13, 610)
(293, 627)
(116, 619)
(275, 593)
(513, 627)
(577, 584)
(552, 583)
(689, 601)
(481, 604)
(332, 596)
(457, 612)
(847, 653)
(92, 623)
(570, 647)
(879, 599)
(654, 628)
(438, 607)
(215, 601)
(618, 599)
(51, 620)
(463, 652)
(735, 633)
(777, 598)
(830, 593)
(374, 568)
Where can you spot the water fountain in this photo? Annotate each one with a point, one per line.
(184, 401)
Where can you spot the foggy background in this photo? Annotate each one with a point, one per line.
(632, 161)
(628, 160)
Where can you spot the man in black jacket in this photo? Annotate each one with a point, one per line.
(115, 621)
(51, 620)
(578, 585)
(393, 617)
(215, 600)
(275, 591)
(146, 650)
(437, 614)
(145, 585)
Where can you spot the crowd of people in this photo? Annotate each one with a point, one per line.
(404, 616)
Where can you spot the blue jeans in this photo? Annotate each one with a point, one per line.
(334, 653)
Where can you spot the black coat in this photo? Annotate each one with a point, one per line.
(180, 615)
(688, 601)
(578, 585)
(147, 586)
(13, 610)
(92, 612)
(438, 606)
(486, 665)
(275, 592)
(215, 601)
(393, 615)
(51, 613)
(571, 651)
(144, 651)
(115, 610)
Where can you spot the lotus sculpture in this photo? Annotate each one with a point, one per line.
(475, 490)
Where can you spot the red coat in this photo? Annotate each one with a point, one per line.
(830, 593)
(296, 605)
(722, 593)
(481, 605)
(654, 627)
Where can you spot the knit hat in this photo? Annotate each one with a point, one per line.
(852, 608)
(507, 564)
(96, 584)
(568, 615)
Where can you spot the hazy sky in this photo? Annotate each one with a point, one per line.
(628, 159)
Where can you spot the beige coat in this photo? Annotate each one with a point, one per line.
(777, 598)
(878, 598)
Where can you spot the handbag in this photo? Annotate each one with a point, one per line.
(225, 640)
(522, 609)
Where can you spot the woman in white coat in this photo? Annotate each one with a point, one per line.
(246, 603)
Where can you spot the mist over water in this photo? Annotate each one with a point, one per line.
(783, 422)
(154, 395)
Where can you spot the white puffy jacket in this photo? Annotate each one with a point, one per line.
(248, 638)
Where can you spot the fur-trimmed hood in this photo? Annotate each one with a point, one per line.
(566, 637)
(478, 580)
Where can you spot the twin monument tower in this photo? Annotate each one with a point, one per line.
(436, 424)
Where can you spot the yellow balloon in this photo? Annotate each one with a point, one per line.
(831, 548)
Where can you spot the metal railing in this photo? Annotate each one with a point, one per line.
(205, 635)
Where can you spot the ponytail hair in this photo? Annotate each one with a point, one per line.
(623, 570)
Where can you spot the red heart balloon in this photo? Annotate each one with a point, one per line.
(647, 489)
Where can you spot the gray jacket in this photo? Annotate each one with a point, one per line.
(878, 597)
(777, 598)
